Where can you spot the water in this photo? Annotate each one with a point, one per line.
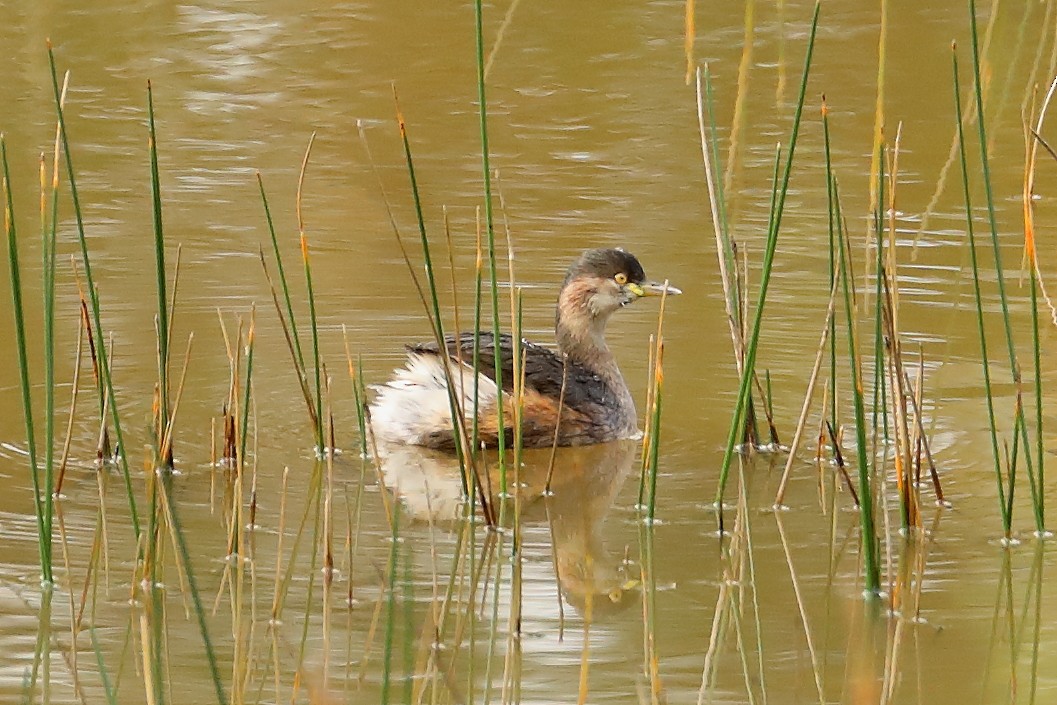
(594, 136)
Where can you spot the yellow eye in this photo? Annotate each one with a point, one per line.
(621, 278)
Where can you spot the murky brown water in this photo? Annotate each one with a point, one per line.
(594, 135)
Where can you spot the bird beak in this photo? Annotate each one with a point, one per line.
(652, 289)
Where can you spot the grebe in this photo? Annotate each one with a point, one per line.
(413, 408)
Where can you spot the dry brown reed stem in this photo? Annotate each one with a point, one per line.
(820, 435)
(926, 446)
(806, 408)
(896, 375)
(172, 297)
(73, 411)
(1030, 252)
(645, 453)
(842, 467)
(898, 399)
(104, 442)
(558, 423)
(166, 446)
(916, 401)
(450, 247)
(302, 379)
(690, 33)
(725, 276)
(228, 453)
(879, 107)
(815, 670)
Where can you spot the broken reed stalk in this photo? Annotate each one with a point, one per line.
(768, 261)
(827, 330)
(93, 295)
(103, 448)
(1007, 519)
(43, 537)
(1014, 364)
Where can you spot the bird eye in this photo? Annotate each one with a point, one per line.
(621, 278)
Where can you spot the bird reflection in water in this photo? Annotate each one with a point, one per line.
(585, 482)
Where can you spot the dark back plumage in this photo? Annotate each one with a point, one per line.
(585, 391)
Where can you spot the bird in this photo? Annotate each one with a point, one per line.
(573, 396)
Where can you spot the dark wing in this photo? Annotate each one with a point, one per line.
(544, 369)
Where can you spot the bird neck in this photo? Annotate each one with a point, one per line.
(580, 333)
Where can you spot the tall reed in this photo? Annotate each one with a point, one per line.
(486, 175)
(93, 297)
(43, 535)
(768, 261)
(321, 442)
(1014, 365)
(867, 529)
(1005, 508)
(162, 319)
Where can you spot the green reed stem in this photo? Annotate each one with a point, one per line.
(360, 394)
(1007, 518)
(93, 297)
(48, 238)
(320, 440)
(655, 428)
(282, 277)
(765, 276)
(1038, 498)
(431, 282)
(43, 537)
(871, 564)
(159, 266)
(1014, 365)
(486, 173)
